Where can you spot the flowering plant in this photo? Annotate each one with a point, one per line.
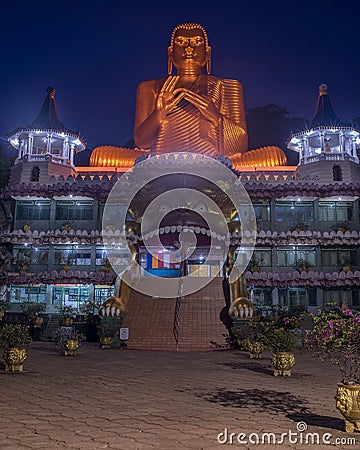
(278, 339)
(14, 335)
(336, 337)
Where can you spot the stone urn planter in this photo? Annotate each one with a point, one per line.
(243, 344)
(105, 342)
(283, 363)
(14, 358)
(348, 403)
(256, 349)
(70, 347)
(13, 339)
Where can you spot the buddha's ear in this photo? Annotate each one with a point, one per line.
(170, 65)
(208, 60)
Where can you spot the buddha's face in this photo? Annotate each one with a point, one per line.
(189, 49)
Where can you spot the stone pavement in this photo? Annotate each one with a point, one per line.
(133, 399)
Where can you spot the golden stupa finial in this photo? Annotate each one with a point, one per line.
(323, 89)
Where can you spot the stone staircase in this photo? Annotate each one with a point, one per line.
(51, 326)
(151, 321)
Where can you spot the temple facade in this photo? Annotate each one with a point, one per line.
(308, 226)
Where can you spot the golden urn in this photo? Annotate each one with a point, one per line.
(71, 345)
(348, 403)
(255, 349)
(283, 363)
(14, 358)
(105, 342)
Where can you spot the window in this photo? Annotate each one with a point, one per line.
(338, 257)
(262, 210)
(35, 255)
(340, 296)
(290, 256)
(102, 293)
(77, 255)
(337, 173)
(101, 256)
(74, 210)
(261, 296)
(298, 212)
(33, 210)
(70, 295)
(262, 257)
(113, 211)
(23, 294)
(35, 173)
(336, 211)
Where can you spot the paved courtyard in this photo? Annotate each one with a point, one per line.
(128, 399)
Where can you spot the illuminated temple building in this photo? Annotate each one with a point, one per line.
(307, 217)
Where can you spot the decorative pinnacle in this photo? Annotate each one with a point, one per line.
(50, 91)
(323, 89)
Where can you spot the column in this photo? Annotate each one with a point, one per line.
(353, 144)
(49, 306)
(72, 148)
(275, 296)
(30, 144)
(322, 141)
(92, 293)
(341, 142)
(65, 151)
(22, 149)
(48, 144)
(305, 148)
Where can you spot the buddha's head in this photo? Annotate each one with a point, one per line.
(189, 49)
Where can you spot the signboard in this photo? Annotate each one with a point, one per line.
(124, 334)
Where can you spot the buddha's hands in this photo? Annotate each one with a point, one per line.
(168, 96)
(204, 104)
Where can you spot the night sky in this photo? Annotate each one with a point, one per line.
(95, 55)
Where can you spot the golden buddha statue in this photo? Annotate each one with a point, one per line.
(196, 112)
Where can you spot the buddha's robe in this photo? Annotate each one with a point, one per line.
(185, 129)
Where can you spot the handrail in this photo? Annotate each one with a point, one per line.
(177, 312)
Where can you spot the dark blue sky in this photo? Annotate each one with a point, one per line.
(95, 55)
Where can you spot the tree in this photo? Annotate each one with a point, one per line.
(5, 164)
(272, 125)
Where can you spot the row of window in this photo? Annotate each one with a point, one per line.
(303, 212)
(77, 255)
(60, 295)
(76, 295)
(297, 212)
(304, 297)
(305, 256)
(81, 255)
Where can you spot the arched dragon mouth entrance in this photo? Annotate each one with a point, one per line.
(184, 236)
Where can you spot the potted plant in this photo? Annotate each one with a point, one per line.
(4, 306)
(347, 264)
(106, 334)
(341, 226)
(300, 226)
(68, 314)
(336, 337)
(13, 339)
(302, 265)
(282, 343)
(69, 338)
